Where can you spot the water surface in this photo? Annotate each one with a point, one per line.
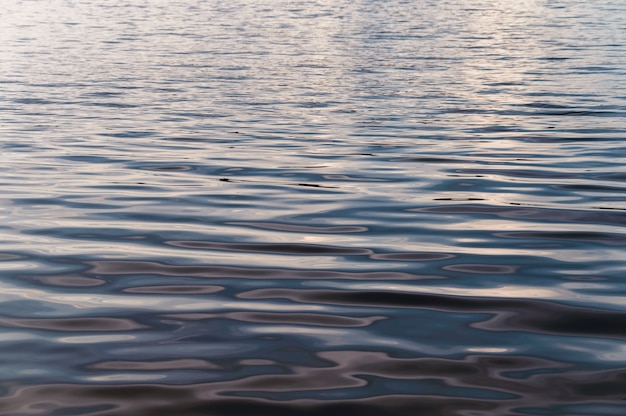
(313, 207)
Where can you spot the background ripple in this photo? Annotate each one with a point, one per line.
(310, 207)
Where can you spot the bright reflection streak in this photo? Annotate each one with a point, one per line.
(490, 350)
(126, 377)
(160, 303)
(95, 339)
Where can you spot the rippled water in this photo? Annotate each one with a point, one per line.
(312, 207)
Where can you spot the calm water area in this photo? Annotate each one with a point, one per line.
(313, 207)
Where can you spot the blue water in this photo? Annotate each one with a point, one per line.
(312, 207)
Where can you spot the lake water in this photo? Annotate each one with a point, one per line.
(313, 207)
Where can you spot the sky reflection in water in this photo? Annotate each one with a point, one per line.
(312, 207)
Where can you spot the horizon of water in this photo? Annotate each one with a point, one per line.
(306, 207)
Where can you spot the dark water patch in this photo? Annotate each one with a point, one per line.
(90, 159)
(581, 113)
(128, 134)
(519, 173)
(353, 178)
(182, 364)
(577, 322)
(519, 211)
(485, 375)
(174, 289)
(33, 101)
(10, 257)
(432, 160)
(308, 319)
(411, 256)
(61, 202)
(589, 237)
(168, 168)
(155, 400)
(509, 314)
(595, 68)
(458, 199)
(483, 268)
(81, 325)
(564, 136)
(69, 280)
(591, 188)
(613, 176)
(299, 249)
(112, 105)
(311, 185)
(121, 267)
(298, 228)
(103, 94)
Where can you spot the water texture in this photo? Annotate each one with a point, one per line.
(313, 207)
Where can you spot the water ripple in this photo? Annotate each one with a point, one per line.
(312, 208)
